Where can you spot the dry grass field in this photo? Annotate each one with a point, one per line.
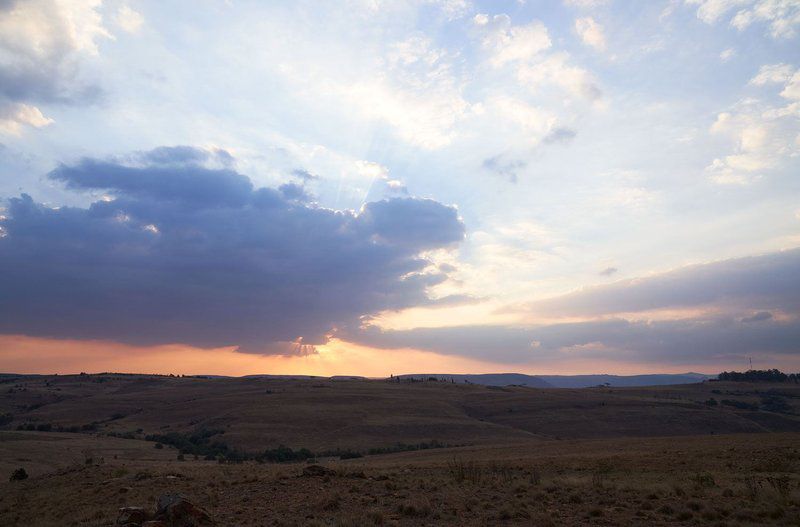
(515, 456)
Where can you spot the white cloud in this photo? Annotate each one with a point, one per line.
(584, 4)
(556, 70)
(42, 45)
(16, 115)
(727, 54)
(534, 123)
(773, 73)
(591, 33)
(782, 16)
(527, 48)
(129, 20)
(764, 134)
(43, 28)
(416, 93)
(408, 85)
(509, 43)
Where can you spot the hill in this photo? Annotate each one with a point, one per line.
(258, 413)
(564, 381)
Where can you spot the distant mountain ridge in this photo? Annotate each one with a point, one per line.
(566, 381)
(486, 379)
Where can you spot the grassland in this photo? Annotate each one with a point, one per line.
(516, 456)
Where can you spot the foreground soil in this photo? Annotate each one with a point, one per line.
(731, 480)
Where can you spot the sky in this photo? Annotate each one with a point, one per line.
(375, 187)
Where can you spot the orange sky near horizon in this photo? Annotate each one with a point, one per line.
(23, 354)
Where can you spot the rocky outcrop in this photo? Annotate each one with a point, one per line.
(178, 511)
(172, 510)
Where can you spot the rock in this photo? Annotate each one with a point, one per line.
(131, 516)
(177, 511)
(123, 490)
(155, 523)
(317, 470)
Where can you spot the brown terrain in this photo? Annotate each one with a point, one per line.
(282, 451)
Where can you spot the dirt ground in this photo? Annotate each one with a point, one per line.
(745, 479)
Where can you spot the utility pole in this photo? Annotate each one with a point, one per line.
(751, 362)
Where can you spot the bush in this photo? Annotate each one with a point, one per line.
(403, 447)
(775, 403)
(282, 454)
(198, 443)
(18, 475)
(741, 405)
(461, 470)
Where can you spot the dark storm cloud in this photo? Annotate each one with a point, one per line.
(188, 183)
(678, 341)
(425, 224)
(728, 289)
(184, 253)
(757, 282)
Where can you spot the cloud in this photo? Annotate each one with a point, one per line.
(697, 341)
(585, 4)
(765, 134)
(41, 44)
(773, 73)
(591, 33)
(507, 168)
(14, 116)
(727, 54)
(416, 92)
(304, 175)
(781, 16)
(756, 282)
(526, 48)
(510, 43)
(758, 317)
(764, 288)
(556, 70)
(129, 20)
(560, 134)
(608, 271)
(179, 250)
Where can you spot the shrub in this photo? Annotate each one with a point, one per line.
(703, 480)
(741, 405)
(775, 403)
(283, 454)
(18, 475)
(461, 470)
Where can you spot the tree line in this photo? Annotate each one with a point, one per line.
(773, 375)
